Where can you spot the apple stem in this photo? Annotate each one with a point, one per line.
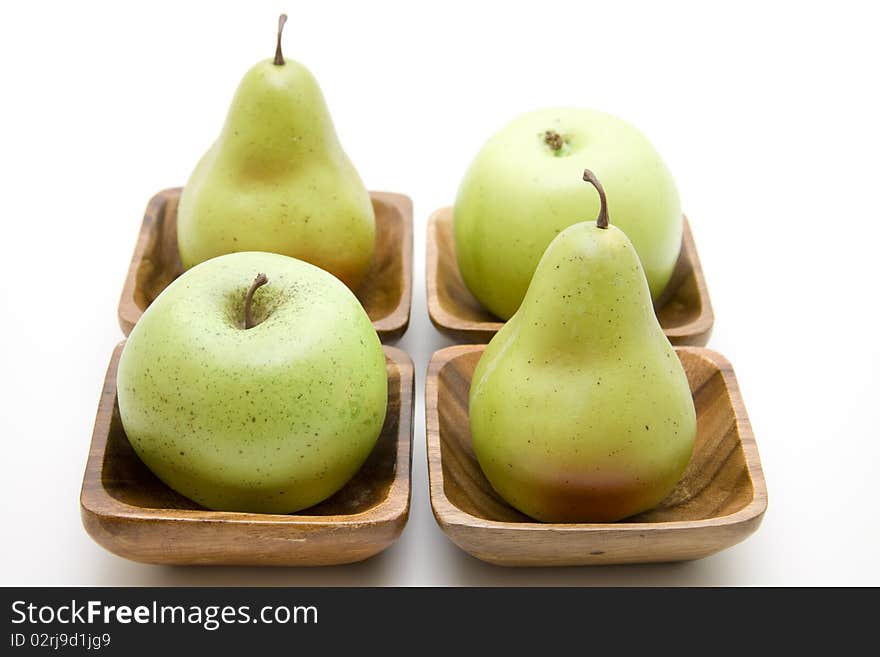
(602, 219)
(279, 58)
(259, 281)
(554, 140)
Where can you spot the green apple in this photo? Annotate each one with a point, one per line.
(525, 187)
(261, 397)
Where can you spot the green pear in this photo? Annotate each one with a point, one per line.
(277, 180)
(580, 411)
(263, 397)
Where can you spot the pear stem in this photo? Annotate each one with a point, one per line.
(259, 281)
(554, 140)
(279, 58)
(602, 219)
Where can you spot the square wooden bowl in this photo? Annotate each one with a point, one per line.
(684, 310)
(385, 292)
(719, 501)
(127, 510)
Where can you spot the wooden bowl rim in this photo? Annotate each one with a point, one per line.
(449, 515)
(97, 502)
(444, 320)
(390, 327)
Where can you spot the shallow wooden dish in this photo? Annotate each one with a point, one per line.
(719, 501)
(684, 310)
(127, 510)
(385, 293)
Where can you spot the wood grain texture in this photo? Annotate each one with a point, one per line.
(719, 501)
(127, 510)
(684, 309)
(385, 293)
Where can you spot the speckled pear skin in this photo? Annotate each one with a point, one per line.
(580, 410)
(278, 180)
(271, 419)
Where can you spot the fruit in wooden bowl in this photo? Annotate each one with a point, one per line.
(385, 292)
(719, 500)
(263, 397)
(684, 309)
(130, 512)
(277, 180)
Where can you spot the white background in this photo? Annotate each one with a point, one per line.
(765, 112)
